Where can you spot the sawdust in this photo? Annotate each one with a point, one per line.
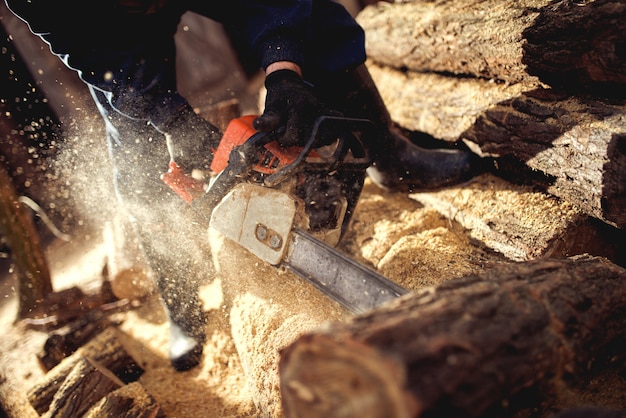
(411, 244)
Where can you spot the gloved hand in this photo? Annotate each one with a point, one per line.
(191, 140)
(290, 103)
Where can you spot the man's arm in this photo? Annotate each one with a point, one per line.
(283, 65)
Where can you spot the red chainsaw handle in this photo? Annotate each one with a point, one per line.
(185, 186)
(272, 156)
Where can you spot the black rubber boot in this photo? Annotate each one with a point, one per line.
(185, 351)
(398, 163)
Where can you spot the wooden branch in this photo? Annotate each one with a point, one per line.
(463, 347)
(86, 384)
(18, 228)
(105, 349)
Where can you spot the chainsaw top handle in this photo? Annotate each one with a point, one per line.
(326, 130)
(251, 152)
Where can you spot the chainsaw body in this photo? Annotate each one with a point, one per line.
(319, 184)
(291, 206)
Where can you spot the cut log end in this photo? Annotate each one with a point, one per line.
(463, 347)
(322, 378)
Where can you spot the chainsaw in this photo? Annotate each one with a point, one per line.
(291, 206)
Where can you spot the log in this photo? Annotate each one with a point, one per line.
(105, 349)
(577, 143)
(536, 81)
(563, 43)
(85, 385)
(570, 146)
(463, 348)
(16, 225)
(62, 344)
(129, 401)
(525, 223)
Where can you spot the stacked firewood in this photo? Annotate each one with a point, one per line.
(539, 86)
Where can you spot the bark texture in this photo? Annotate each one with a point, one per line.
(572, 43)
(462, 347)
(85, 385)
(105, 349)
(18, 228)
(537, 82)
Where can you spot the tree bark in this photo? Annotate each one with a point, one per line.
(571, 146)
(85, 385)
(525, 224)
(104, 349)
(129, 401)
(565, 43)
(537, 82)
(577, 143)
(463, 347)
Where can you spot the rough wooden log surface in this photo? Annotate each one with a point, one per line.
(129, 401)
(462, 347)
(574, 44)
(505, 76)
(521, 222)
(86, 384)
(564, 42)
(576, 142)
(104, 349)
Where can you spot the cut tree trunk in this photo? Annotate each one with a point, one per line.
(129, 401)
(569, 43)
(462, 347)
(574, 146)
(525, 223)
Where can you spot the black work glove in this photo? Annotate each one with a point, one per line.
(290, 103)
(191, 140)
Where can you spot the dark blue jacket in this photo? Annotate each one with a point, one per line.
(131, 55)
